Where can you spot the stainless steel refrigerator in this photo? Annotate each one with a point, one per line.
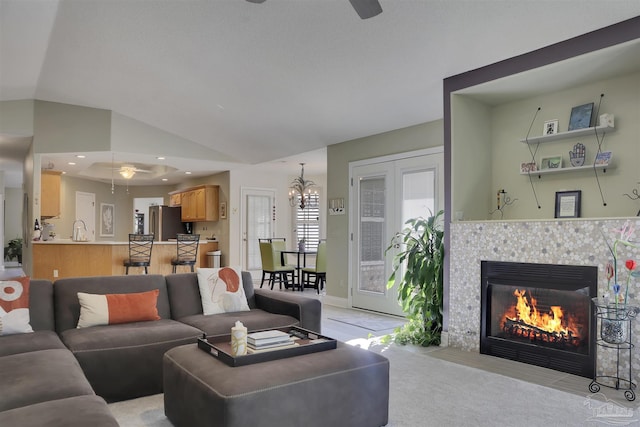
(164, 222)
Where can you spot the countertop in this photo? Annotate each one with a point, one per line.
(103, 242)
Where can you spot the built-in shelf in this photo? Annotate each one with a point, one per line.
(601, 130)
(569, 169)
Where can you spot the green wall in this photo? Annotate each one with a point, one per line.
(338, 157)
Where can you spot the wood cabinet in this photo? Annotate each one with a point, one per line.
(175, 199)
(50, 194)
(200, 203)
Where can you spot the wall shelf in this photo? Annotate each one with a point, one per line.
(569, 169)
(601, 130)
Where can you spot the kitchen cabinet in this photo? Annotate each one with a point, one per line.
(200, 203)
(175, 199)
(50, 193)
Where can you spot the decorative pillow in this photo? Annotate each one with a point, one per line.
(221, 290)
(14, 306)
(111, 309)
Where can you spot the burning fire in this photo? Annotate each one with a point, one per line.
(527, 321)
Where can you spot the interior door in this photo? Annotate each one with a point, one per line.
(86, 211)
(387, 192)
(258, 222)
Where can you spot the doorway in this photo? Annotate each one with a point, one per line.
(258, 210)
(386, 192)
(86, 211)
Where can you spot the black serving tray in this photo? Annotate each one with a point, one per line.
(308, 342)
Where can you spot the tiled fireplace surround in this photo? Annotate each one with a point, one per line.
(570, 242)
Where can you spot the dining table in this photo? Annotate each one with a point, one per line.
(301, 262)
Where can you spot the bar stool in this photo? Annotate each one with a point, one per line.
(140, 246)
(187, 251)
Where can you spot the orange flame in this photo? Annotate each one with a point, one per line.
(527, 312)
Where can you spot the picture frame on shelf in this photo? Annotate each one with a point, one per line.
(568, 204)
(603, 158)
(550, 127)
(581, 116)
(551, 162)
(526, 167)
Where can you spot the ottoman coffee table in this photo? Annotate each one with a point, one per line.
(346, 386)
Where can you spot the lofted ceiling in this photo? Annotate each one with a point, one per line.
(259, 83)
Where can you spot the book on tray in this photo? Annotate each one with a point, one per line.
(258, 339)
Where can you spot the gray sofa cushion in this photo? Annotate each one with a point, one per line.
(184, 294)
(125, 361)
(41, 316)
(34, 341)
(67, 307)
(40, 376)
(220, 324)
(80, 411)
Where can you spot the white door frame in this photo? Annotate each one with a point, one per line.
(353, 198)
(244, 193)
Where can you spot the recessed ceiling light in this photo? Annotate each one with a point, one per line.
(165, 179)
(187, 173)
(72, 163)
(160, 158)
(81, 156)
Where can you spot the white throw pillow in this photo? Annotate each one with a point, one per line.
(221, 290)
(14, 306)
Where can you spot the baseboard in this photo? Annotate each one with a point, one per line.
(335, 301)
(444, 339)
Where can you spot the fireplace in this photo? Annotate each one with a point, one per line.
(539, 314)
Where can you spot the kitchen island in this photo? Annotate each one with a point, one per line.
(59, 258)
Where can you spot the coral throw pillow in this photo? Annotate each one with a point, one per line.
(14, 306)
(221, 290)
(111, 309)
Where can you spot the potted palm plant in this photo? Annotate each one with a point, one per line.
(13, 250)
(420, 289)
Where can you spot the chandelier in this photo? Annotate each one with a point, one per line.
(301, 187)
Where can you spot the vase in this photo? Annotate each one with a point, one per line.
(614, 331)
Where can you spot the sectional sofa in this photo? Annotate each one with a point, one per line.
(61, 375)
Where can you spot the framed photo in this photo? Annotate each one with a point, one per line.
(553, 162)
(526, 167)
(223, 210)
(603, 158)
(568, 204)
(107, 219)
(550, 127)
(581, 116)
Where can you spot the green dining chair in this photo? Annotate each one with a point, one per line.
(318, 273)
(272, 267)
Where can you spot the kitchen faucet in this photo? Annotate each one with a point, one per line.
(78, 235)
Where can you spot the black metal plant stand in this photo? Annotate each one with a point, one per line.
(615, 333)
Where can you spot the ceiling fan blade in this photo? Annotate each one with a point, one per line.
(366, 8)
(256, 1)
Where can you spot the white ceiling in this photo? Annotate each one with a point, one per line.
(262, 82)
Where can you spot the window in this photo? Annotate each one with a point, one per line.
(307, 221)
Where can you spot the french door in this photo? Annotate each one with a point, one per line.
(258, 223)
(385, 193)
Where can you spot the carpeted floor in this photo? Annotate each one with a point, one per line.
(427, 391)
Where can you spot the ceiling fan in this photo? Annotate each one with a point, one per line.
(126, 170)
(365, 8)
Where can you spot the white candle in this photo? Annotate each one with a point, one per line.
(239, 339)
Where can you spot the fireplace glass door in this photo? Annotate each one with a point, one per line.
(550, 318)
